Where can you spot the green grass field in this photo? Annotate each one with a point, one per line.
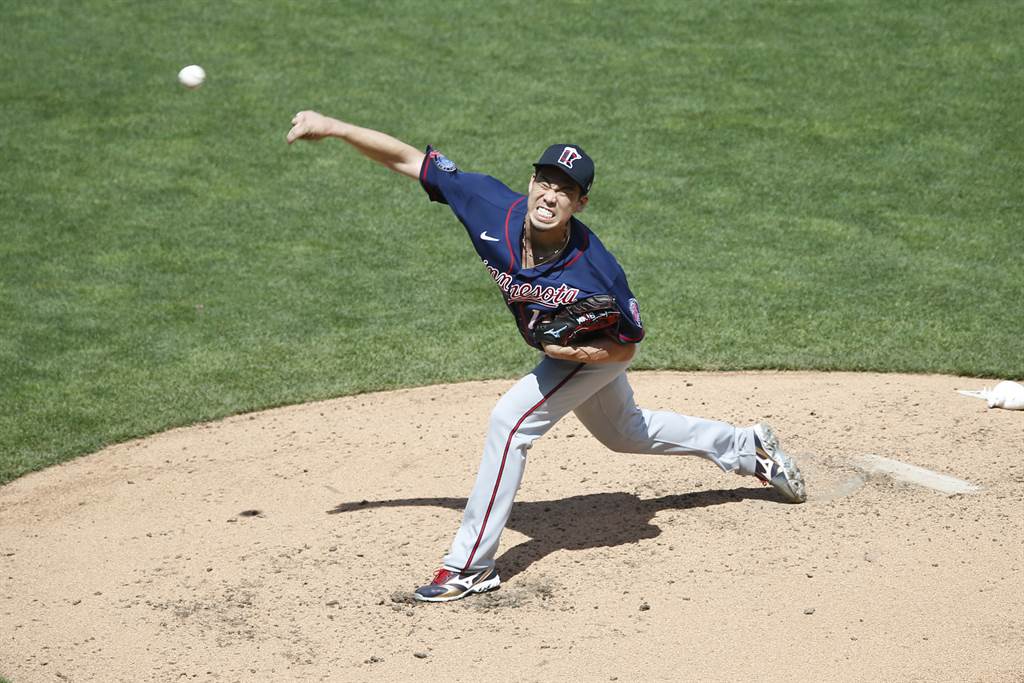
(823, 185)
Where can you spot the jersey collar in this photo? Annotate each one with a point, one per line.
(578, 241)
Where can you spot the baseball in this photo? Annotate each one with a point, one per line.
(192, 76)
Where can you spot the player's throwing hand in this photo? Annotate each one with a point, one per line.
(309, 125)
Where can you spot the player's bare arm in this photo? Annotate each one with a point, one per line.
(386, 150)
(596, 351)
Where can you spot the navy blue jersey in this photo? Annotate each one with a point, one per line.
(495, 217)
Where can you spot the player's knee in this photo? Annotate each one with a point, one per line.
(513, 429)
(500, 421)
(628, 437)
(619, 445)
(610, 440)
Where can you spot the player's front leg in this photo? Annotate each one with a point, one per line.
(523, 414)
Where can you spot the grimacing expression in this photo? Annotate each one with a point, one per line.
(552, 199)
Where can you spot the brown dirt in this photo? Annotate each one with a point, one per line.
(283, 546)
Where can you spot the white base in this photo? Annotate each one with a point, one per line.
(918, 475)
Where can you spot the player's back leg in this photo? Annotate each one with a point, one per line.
(614, 418)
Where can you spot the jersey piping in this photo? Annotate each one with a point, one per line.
(508, 237)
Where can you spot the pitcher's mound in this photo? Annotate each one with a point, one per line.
(284, 545)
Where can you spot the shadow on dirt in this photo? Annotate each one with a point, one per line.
(594, 520)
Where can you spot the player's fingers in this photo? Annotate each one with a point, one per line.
(296, 132)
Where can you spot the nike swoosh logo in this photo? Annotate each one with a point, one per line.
(487, 238)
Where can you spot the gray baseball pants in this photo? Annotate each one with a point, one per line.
(602, 399)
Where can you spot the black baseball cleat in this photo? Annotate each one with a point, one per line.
(775, 467)
(448, 585)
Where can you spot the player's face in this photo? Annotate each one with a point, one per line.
(553, 199)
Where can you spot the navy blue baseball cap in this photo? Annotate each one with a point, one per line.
(572, 161)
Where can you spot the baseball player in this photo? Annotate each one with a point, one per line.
(544, 261)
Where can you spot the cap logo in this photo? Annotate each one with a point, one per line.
(569, 157)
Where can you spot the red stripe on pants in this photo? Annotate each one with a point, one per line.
(504, 457)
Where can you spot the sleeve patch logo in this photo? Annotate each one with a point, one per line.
(444, 163)
(634, 310)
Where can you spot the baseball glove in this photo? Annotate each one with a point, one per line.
(580, 320)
